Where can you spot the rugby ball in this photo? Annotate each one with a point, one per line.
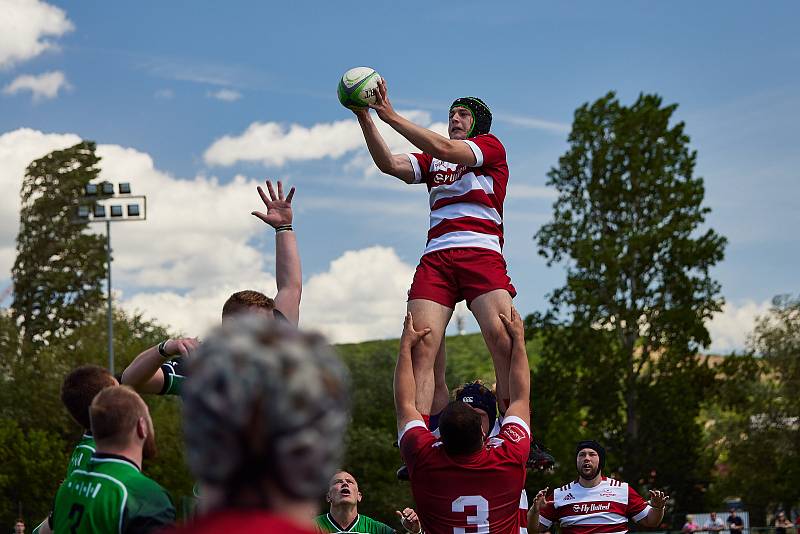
(358, 87)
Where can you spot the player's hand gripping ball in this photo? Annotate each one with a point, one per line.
(358, 87)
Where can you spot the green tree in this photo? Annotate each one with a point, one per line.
(753, 425)
(627, 225)
(59, 268)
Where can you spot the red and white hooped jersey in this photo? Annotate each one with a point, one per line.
(603, 509)
(466, 202)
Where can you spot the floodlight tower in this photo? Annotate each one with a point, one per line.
(122, 206)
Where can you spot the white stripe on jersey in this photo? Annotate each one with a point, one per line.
(477, 151)
(465, 209)
(597, 518)
(415, 166)
(468, 182)
(464, 239)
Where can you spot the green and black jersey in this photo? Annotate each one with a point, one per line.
(361, 525)
(111, 495)
(81, 454)
(174, 375)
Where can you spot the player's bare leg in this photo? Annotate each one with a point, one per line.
(441, 395)
(427, 314)
(487, 309)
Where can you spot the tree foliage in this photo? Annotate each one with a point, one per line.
(59, 267)
(623, 332)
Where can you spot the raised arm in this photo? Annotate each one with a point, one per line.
(404, 384)
(452, 150)
(396, 165)
(144, 374)
(519, 376)
(288, 273)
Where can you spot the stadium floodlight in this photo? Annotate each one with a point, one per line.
(91, 208)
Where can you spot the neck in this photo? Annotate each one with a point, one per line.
(591, 482)
(344, 514)
(131, 452)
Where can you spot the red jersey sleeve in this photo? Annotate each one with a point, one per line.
(547, 515)
(488, 150)
(637, 507)
(517, 438)
(414, 440)
(421, 163)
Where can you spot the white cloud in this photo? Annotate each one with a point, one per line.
(44, 86)
(274, 144)
(534, 123)
(226, 95)
(730, 328)
(24, 28)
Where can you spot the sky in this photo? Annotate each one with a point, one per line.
(195, 104)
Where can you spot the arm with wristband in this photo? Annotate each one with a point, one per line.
(144, 374)
(288, 272)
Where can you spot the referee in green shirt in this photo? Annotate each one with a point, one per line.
(111, 494)
(343, 496)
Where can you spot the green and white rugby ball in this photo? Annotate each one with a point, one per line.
(358, 87)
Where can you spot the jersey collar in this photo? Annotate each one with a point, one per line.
(337, 525)
(100, 457)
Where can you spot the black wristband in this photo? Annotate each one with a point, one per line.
(284, 228)
(162, 349)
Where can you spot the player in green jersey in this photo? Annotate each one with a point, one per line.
(344, 496)
(77, 392)
(111, 494)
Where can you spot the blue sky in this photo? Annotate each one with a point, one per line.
(167, 80)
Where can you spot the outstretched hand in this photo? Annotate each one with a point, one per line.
(382, 106)
(182, 346)
(540, 499)
(658, 499)
(409, 520)
(514, 325)
(279, 209)
(411, 337)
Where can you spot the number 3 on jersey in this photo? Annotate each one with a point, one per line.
(481, 518)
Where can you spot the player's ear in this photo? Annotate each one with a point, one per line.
(142, 428)
(359, 496)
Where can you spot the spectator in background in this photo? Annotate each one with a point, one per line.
(782, 523)
(690, 526)
(735, 523)
(265, 410)
(714, 524)
(19, 527)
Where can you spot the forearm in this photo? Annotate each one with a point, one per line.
(533, 520)
(143, 367)
(377, 147)
(427, 141)
(653, 517)
(404, 386)
(519, 379)
(288, 275)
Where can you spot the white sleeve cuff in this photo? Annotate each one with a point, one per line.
(415, 165)
(477, 151)
(411, 424)
(641, 515)
(520, 422)
(544, 521)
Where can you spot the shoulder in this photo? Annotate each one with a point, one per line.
(375, 526)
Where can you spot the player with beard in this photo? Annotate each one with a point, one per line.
(344, 496)
(594, 504)
(111, 494)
